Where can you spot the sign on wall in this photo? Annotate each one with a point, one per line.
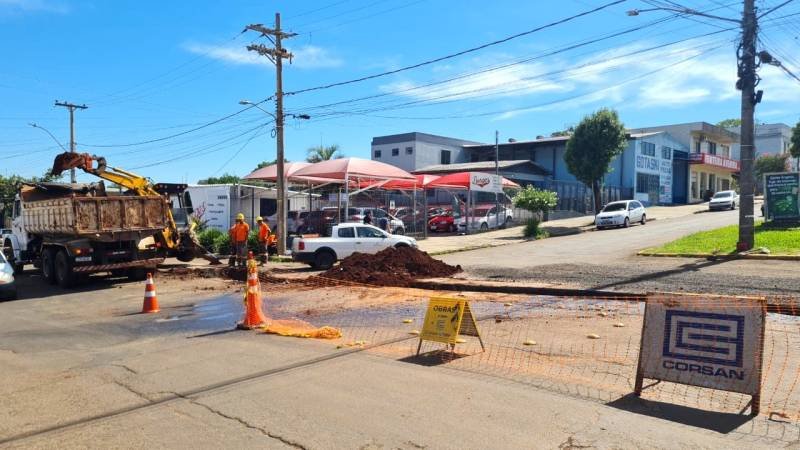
(782, 196)
(485, 182)
(711, 342)
(215, 204)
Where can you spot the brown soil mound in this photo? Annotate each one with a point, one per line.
(390, 267)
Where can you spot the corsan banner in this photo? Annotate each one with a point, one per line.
(712, 342)
(485, 182)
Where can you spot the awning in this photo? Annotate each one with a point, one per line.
(461, 180)
(354, 168)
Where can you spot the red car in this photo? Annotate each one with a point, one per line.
(443, 222)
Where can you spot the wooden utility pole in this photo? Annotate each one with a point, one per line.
(747, 84)
(276, 55)
(71, 107)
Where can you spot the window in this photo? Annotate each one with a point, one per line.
(367, 232)
(395, 152)
(473, 157)
(648, 149)
(348, 232)
(666, 153)
(726, 150)
(377, 153)
(712, 148)
(697, 146)
(409, 150)
(445, 157)
(646, 183)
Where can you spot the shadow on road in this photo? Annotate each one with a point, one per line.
(433, 358)
(709, 420)
(690, 267)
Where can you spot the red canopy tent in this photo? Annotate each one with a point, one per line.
(461, 180)
(420, 182)
(270, 173)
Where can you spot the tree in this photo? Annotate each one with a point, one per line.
(769, 163)
(323, 153)
(794, 148)
(9, 186)
(729, 123)
(225, 178)
(263, 164)
(597, 140)
(535, 200)
(567, 132)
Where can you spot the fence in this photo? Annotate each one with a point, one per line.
(577, 197)
(581, 346)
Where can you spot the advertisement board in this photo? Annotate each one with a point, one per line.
(711, 342)
(212, 205)
(446, 319)
(782, 196)
(485, 182)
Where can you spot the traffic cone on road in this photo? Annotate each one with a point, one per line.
(150, 300)
(253, 315)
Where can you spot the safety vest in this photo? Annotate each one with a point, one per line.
(239, 232)
(263, 232)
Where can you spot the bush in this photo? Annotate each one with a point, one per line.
(207, 237)
(252, 242)
(221, 244)
(532, 229)
(535, 200)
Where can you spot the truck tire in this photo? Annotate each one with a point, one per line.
(8, 250)
(63, 270)
(136, 274)
(48, 265)
(185, 255)
(325, 259)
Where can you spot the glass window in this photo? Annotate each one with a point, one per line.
(409, 150)
(377, 153)
(395, 151)
(697, 146)
(666, 153)
(367, 232)
(646, 183)
(347, 232)
(648, 149)
(379, 213)
(445, 157)
(620, 206)
(722, 194)
(712, 148)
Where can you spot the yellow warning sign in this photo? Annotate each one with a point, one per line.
(445, 319)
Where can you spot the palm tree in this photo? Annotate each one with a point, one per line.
(323, 153)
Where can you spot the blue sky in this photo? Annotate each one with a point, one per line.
(149, 70)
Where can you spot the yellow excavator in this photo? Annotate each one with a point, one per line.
(179, 243)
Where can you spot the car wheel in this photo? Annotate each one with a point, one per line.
(401, 231)
(627, 223)
(733, 205)
(401, 246)
(63, 269)
(599, 228)
(484, 226)
(48, 266)
(325, 260)
(453, 228)
(644, 220)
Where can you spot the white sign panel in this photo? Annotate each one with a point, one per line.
(485, 182)
(212, 204)
(708, 342)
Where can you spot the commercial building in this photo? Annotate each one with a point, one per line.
(410, 151)
(770, 139)
(712, 162)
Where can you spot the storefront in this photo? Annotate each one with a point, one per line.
(709, 174)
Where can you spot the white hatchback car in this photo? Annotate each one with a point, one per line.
(621, 214)
(723, 200)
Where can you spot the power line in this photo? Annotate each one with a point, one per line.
(461, 53)
(775, 8)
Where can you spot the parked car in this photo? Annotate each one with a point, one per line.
(443, 222)
(723, 200)
(356, 214)
(8, 286)
(346, 239)
(318, 222)
(485, 218)
(621, 214)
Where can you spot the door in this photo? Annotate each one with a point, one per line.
(369, 240)
(349, 242)
(680, 175)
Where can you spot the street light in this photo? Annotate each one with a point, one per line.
(280, 175)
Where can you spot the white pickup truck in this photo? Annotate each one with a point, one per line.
(346, 239)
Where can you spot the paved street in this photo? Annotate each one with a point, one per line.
(607, 260)
(82, 369)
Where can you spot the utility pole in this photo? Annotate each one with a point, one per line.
(747, 84)
(276, 55)
(71, 107)
(497, 174)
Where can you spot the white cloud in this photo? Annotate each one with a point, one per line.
(305, 57)
(33, 6)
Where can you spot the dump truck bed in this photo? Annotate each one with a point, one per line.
(95, 217)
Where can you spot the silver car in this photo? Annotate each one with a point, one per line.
(621, 214)
(723, 200)
(8, 286)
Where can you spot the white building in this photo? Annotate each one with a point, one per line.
(770, 139)
(412, 151)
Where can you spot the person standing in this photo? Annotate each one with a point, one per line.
(368, 218)
(238, 233)
(263, 239)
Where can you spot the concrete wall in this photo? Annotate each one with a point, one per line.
(426, 150)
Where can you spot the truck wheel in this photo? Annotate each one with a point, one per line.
(48, 265)
(63, 270)
(8, 250)
(137, 274)
(185, 255)
(325, 260)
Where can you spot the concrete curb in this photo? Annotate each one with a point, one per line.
(718, 256)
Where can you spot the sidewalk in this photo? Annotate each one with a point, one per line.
(439, 245)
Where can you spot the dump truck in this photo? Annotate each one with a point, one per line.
(72, 230)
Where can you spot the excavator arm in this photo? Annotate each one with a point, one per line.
(170, 238)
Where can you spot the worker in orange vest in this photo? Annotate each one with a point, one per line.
(264, 235)
(238, 233)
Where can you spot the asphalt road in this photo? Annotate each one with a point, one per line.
(607, 260)
(84, 370)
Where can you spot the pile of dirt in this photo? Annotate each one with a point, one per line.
(390, 267)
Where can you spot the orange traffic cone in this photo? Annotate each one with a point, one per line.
(150, 300)
(253, 315)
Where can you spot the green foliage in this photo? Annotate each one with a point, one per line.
(532, 229)
(225, 178)
(208, 236)
(794, 148)
(597, 140)
(263, 164)
(10, 184)
(252, 242)
(770, 163)
(729, 123)
(567, 132)
(779, 241)
(221, 244)
(323, 153)
(535, 200)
